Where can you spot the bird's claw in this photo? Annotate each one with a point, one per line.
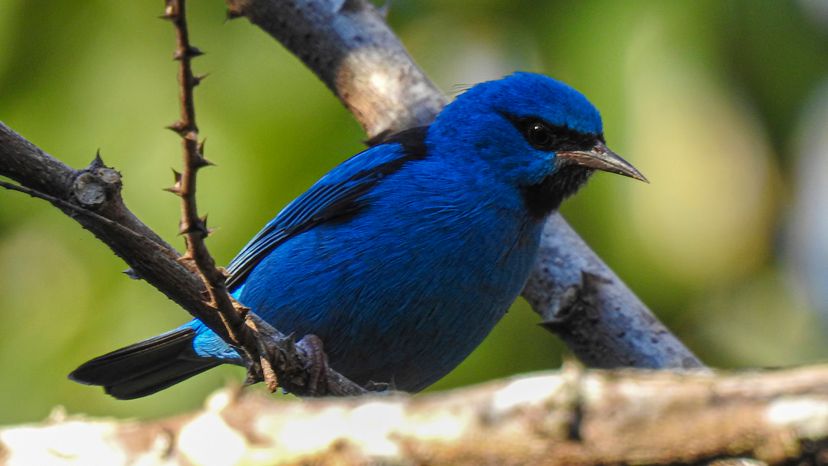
(317, 365)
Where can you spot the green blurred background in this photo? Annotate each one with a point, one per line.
(722, 104)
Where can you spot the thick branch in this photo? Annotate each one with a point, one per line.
(349, 46)
(572, 418)
(582, 300)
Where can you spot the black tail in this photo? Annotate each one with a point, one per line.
(145, 367)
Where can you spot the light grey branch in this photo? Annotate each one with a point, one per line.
(601, 320)
(349, 46)
(568, 418)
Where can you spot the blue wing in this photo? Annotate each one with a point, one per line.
(338, 194)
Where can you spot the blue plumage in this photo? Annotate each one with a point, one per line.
(404, 257)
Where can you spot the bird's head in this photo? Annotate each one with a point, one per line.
(531, 131)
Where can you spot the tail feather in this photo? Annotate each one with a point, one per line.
(145, 367)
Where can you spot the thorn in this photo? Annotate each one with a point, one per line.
(233, 14)
(243, 311)
(201, 146)
(205, 231)
(178, 127)
(175, 188)
(290, 341)
(97, 162)
(197, 79)
(201, 162)
(199, 226)
(184, 230)
(191, 52)
(132, 274)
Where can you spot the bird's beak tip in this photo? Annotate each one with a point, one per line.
(601, 157)
(637, 175)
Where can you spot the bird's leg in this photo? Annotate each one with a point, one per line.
(317, 366)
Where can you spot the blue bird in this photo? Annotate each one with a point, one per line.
(402, 258)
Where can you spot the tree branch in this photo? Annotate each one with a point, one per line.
(601, 320)
(92, 196)
(351, 49)
(568, 418)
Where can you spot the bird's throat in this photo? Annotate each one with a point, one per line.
(543, 198)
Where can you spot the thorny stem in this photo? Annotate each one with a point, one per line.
(194, 228)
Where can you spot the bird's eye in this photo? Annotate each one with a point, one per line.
(539, 135)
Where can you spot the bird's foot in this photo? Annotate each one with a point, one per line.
(317, 366)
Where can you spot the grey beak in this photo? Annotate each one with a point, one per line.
(601, 158)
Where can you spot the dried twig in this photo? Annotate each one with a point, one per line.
(193, 227)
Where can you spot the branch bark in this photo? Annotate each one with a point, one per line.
(351, 49)
(571, 418)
